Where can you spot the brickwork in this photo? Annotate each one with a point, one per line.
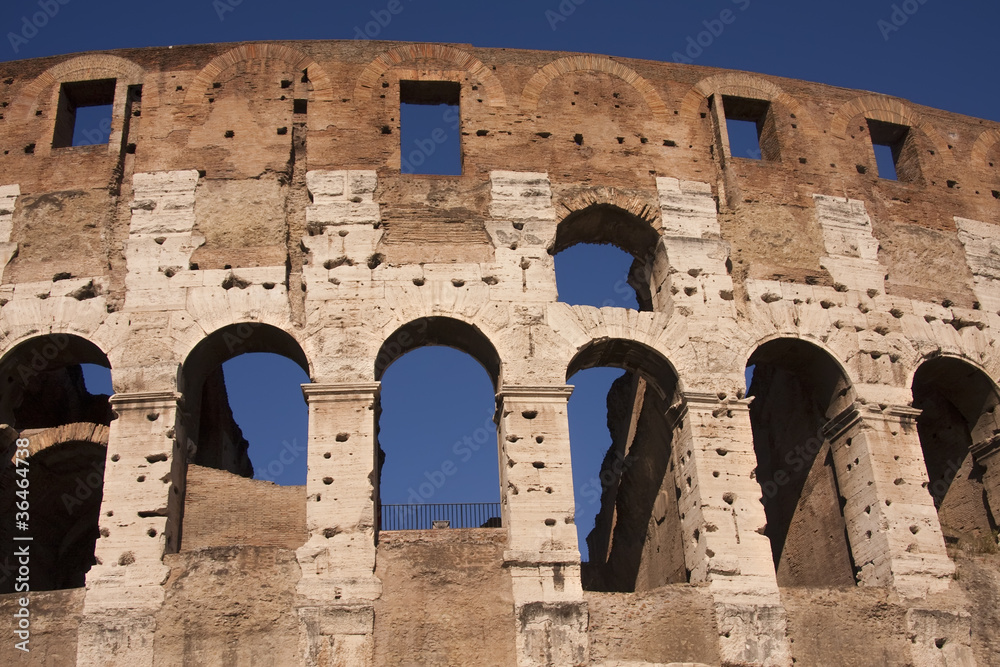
(222, 509)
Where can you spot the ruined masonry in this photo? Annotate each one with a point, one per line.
(841, 509)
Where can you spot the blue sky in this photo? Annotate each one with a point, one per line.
(928, 51)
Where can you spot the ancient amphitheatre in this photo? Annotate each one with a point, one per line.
(250, 199)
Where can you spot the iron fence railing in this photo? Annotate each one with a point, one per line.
(440, 515)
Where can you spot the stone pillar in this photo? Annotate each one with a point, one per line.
(8, 200)
(891, 521)
(723, 521)
(538, 512)
(124, 589)
(338, 584)
(987, 454)
(522, 223)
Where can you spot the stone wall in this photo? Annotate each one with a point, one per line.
(250, 199)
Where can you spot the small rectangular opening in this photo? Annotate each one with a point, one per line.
(885, 162)
(895, 155)
(84, 114)
(749, 128)
(744, 138)
(430, 122)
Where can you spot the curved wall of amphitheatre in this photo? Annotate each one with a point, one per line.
(250, 198)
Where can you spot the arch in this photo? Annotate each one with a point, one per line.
(80, 68)
(740, 84)
(888, 110)
(984, 144)
(495, 96)
(436, 330)
(636, 543)
(202, 382)
(797, 389)
(38, 387)
(957, 428)
(322, 86)
(628, 355)
(633, 204)
(807, 339)
(965, 383)
(607, 223)
(532, 91)
(631, 231)
(53, 348)
(74, 432)
(236, 339)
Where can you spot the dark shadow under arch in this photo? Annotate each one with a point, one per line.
(797, 388)
(958, 403)
(608, 224)
(236, 339)
(66, 488)
(42, 385)
(212, 439)
(636, 543)
(44, 399)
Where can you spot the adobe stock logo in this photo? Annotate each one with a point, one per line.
(31, 26)
(382, 19)
(697, 44)
(901, 13)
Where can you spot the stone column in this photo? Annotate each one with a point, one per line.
(723, 521)
(538, 512)
(988, 455)
(338, 584)
(893, 526)
(891, 521)
(124, 589)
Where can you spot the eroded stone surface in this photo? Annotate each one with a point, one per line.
(255, 204)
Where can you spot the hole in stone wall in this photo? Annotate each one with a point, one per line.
(83, 117)
(430, 120)
(588, 274)
(55, 397)
(895, 151)
(956, 402)
(797, 388)
(750, 128)
(437, 441)
(628, 523)
(246, 436)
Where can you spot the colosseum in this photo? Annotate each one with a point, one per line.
(842, 510)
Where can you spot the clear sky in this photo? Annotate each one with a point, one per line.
(928, 51)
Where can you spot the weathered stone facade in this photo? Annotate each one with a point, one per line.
(250, 199)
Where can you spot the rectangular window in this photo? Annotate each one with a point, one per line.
(750, 128)
(895, 151)
(429, 119)
(84, 114)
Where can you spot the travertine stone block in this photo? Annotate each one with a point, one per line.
(852, 250)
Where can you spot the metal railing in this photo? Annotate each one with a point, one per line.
(440, 515)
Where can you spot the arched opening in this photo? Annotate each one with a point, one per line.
(796, 389)
(436, 428)
(625, 490)
(245, 426)
(54, 432)
(957, 427)
(608, 257)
